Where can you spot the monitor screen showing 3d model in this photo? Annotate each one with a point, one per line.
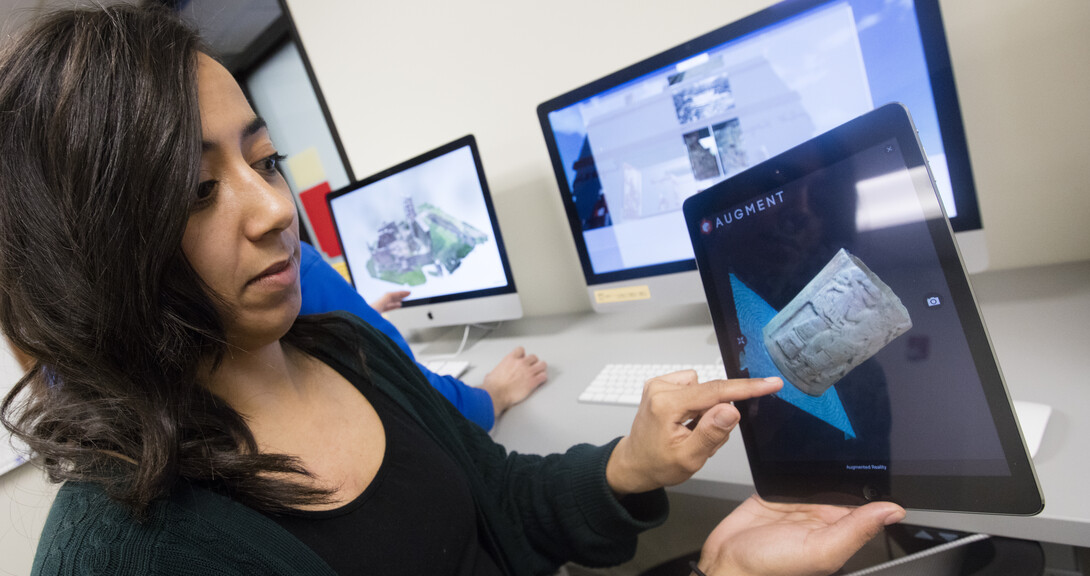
(833, 267)
(629, 148)
(428, 226)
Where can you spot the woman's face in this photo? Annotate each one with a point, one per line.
(242, 236)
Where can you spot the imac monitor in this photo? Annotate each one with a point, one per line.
(428, 226)
(629, 148)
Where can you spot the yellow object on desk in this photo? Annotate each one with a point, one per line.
(342, 267)
(624, 294)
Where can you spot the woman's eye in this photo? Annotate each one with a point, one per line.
(270, 163)
(205, 192)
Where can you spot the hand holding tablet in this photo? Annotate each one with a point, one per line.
(833, 267)
(766, 538)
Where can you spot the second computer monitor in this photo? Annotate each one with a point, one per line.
(629, 148)
(428, 226)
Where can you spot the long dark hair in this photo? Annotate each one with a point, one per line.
(99, 161)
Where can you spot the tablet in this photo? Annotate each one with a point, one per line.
(833, 266)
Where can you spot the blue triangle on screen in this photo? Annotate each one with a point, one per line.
(753, 314)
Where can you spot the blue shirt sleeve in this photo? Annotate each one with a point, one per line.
(325, 290)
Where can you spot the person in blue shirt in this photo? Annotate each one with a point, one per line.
(516, 376)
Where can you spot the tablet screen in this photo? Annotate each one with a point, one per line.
(832, 267)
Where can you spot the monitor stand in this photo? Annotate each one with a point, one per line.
(449, 341)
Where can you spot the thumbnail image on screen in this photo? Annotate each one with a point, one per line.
(425, 229)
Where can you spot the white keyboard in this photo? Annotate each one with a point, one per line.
(623, 383)
(442, 367)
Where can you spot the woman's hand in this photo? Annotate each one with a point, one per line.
(768, 539)
(680, 424)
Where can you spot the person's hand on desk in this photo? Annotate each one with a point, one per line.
(390, 301)
(514, 378)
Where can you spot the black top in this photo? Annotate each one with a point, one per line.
(416, 517)
(533, 512)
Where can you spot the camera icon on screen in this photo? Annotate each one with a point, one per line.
(933, 301)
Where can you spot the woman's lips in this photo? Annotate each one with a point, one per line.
(281, 274)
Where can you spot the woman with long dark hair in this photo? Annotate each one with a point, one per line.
(149, 265)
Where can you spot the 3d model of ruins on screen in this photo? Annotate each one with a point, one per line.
(426, 243)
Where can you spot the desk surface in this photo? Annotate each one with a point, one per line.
(1038, 318)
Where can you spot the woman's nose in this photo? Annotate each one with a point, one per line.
(269, 208)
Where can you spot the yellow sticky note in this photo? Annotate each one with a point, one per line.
(343, 269)
(623, 294)
(305, 169)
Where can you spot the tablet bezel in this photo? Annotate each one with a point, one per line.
(826, 482)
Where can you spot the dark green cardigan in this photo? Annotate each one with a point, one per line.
(537, 512)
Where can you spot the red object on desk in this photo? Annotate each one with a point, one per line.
(321, 222)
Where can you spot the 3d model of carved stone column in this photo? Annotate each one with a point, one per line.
(843, 316)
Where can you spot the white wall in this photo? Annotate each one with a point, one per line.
(1023, 73)
(402, 77)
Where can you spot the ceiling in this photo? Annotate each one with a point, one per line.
(227, 26)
